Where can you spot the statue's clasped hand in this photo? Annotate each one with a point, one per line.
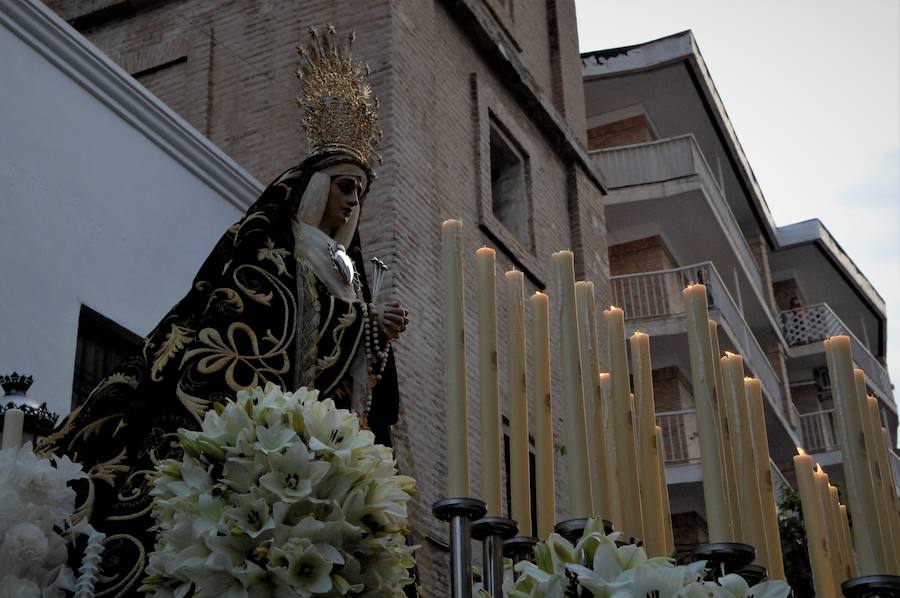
(393, 318)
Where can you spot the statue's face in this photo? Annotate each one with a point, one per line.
(343, 199)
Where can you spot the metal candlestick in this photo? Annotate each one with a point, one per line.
(460, 512)
(753, 574)
(724, 557)
(491, 532)
(520, 548)
(573, 529)
(872, 586)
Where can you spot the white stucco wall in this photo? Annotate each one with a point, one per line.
(93, 210)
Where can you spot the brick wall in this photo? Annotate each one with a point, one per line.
(806, 397)
(689, 530)
(760, 250)
(228, 68)
(628, 131)
(642, 255)
(671, 390)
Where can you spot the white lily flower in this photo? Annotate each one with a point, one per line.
(297, 489)
(301, 566)
(250, 514)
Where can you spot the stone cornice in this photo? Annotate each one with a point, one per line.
(97, 74)
(487, 35)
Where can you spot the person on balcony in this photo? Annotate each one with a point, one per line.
(797, 324)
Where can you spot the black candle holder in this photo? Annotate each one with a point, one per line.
(872, 586)
(492, 532)
(753, 574)
(573, 529)
(520, 548)
(723, 557)
(460, 512)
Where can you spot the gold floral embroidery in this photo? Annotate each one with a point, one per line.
(92, 428)
(337, 334)
(276, 256)
(175, 342)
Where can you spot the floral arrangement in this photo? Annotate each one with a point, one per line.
(596, 566)
(280, 494)
(36, 510)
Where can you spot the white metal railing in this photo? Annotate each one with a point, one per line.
(779, 482)
(668, 159)
(819, 431)
(657, 294)
(895, 466)
(679, 435)
(817, 322)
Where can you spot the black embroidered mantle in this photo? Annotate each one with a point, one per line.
(236, 327)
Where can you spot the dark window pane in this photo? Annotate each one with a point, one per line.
(102, 345)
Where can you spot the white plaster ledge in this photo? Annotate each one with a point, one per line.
(74, 55)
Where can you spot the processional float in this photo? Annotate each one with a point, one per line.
(613, 446)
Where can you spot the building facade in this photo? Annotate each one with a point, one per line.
(96, 175)
(482, 109)
(685, 206)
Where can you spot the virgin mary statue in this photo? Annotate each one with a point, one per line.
(282, 298)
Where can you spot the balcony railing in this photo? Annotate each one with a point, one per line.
(779, 482)
(820, 435)
(681, 444)
(666, 160)
(657, 294)
(819, 431)
(816, 323)
(895, 466)
(679, 435)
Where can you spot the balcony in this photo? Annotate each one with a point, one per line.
(820, 435)
(819, 431)
(657, 295)
(679, 436)
(681, 447)
(653, 303)
(809, 326)
(669, 183)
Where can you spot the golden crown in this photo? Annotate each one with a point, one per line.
(338, 105)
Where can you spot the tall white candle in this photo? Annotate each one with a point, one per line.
(879, 466)
(703, 373)
(751, 513)
(861, 493)
(590, 382)
(488, 381)
(612, 483)
(667, 509)
(893, 499)
(831, 529)
(848, 541)
(775, 565)
(729, 467)
(543, 418)
(455, 359)
(13, 423)
(623, 424)
(814, 522)
(519, 473)
(651, 492)
(843, 548)
(573, 395)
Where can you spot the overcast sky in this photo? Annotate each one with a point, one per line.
(812, 88)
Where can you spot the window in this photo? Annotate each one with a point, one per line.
(102, 344)
(509, 197)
